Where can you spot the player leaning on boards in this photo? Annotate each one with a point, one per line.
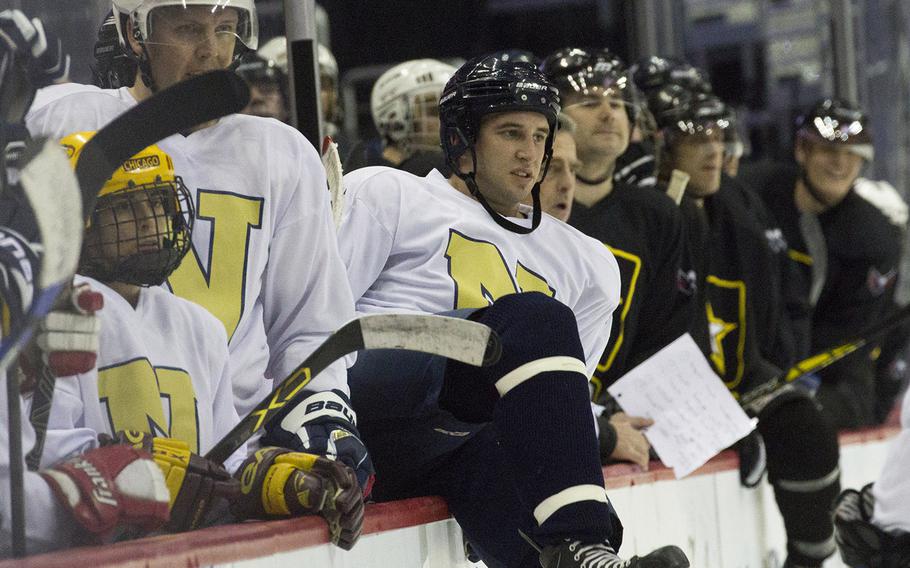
(259, 192)
(643, 229)
(740, 318)
(511, 447)
(845, 247)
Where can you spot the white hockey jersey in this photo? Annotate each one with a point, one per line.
(264, 257)
(162, 369)
(418, 244)
(892, 489)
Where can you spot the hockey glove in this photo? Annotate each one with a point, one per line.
(275, 482)
(195, 483)
(47, 62)
(323, 423)
(115, 487)
(859, 541)
(67, 338)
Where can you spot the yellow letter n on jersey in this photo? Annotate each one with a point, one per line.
(482, 275)
(137, 394)
(219, 287)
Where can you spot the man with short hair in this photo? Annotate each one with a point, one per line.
(741, 323)
(557, 190)
(511, 447)
(642, 228)
(845, 247)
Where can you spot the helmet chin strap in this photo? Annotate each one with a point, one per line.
(503, 222)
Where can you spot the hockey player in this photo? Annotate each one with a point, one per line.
(557, 190)
(404, 103)
(262, 208)
(846, 248)
(740, 319)
(643, 229)
(511, 447)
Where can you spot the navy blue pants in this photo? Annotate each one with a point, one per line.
(419, 448)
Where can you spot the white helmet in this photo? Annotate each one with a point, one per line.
(398, 91)
(276, 51)
(139, 10)
(327, 64)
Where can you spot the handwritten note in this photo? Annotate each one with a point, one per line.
(694, 414)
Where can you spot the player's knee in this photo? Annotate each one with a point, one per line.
(539, 336)
(800, 443)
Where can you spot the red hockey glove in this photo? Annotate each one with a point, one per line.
(195, 483)
(117, 487)
(278, 483)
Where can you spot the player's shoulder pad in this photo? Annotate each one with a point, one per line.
(858, 229)
(885, 197)
(655, 202)
(380, 181)
(196, 320)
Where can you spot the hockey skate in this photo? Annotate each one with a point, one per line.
(575, 554)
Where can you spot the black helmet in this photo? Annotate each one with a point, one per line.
(837, 121)
(652, 73)
(487, 85)
(681, 111)
(113, 68)
(254, 68)
(596, 72)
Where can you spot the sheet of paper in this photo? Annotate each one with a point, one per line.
(694, 414)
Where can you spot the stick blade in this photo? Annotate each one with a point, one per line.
(460, 339)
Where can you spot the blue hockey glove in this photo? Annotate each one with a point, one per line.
(323, 423)
(47, 63)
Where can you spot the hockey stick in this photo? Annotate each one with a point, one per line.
(677, 186)
(463, 340)
(331, 161)
(50, 188)
(755, 400)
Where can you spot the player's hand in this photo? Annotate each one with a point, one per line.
(276, 482)
(323, 423)
(631, 444)
(47, 63)
(111, 488)
(194, 483)
(860, 542)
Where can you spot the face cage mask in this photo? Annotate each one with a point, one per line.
(117, 249)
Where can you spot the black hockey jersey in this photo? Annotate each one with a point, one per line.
(644, 230)
(863, 257)
(740, 322)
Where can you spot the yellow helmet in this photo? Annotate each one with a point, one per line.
(140, 228)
